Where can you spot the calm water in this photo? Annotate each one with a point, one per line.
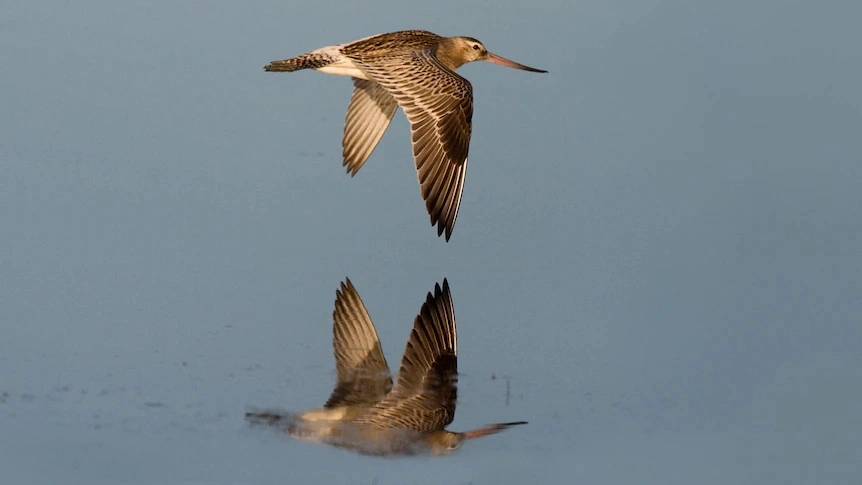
(658, 247)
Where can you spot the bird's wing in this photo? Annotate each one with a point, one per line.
(439, 105)
(363, 375)
(425, 393)
(368, 115)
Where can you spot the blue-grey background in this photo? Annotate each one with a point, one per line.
(659, 245)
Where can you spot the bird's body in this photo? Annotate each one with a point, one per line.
(366, 412)
(415, 70)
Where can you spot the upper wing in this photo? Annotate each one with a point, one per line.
(425, 394)
(439, 105)
(363, 375)
(368, 115)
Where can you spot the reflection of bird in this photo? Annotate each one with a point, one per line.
(413, 69)
(365, 412)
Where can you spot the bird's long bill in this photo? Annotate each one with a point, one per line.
(506, 62)
(490, 429)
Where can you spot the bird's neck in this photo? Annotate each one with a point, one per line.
(448, 54)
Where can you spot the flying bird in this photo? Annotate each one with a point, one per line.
(365, 412)
(415, 70)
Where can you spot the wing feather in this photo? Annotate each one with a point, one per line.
(439, 106)
(368, 115)
(363, 374)
(425, 393)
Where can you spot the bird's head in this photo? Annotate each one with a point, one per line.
(458, 51)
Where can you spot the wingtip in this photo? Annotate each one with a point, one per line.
(449, 229)
(442, 229)
(440, 291)
(346, 288)
(349, 168)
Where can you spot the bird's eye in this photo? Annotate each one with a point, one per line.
(454, 446)
(475, 47)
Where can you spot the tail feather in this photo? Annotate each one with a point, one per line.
(312, 60)
(287, 422)
(268, 418)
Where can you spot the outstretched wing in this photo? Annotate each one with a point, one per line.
(363, 375)
(425, 394)
(439, 105)
(368, 115)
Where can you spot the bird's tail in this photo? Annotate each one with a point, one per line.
(312, 60)
(267, 418)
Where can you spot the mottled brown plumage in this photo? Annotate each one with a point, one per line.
(415, 70)
(425, 394)
(409, 418)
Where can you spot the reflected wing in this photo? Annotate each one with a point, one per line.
(368, 115)
(424, 396)
(439, 105)
(363, 375)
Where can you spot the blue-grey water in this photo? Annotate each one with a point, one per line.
(659, 249)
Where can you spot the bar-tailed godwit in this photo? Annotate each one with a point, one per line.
(415, 70)
(365, 412)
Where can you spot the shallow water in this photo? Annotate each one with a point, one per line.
(656, 262)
